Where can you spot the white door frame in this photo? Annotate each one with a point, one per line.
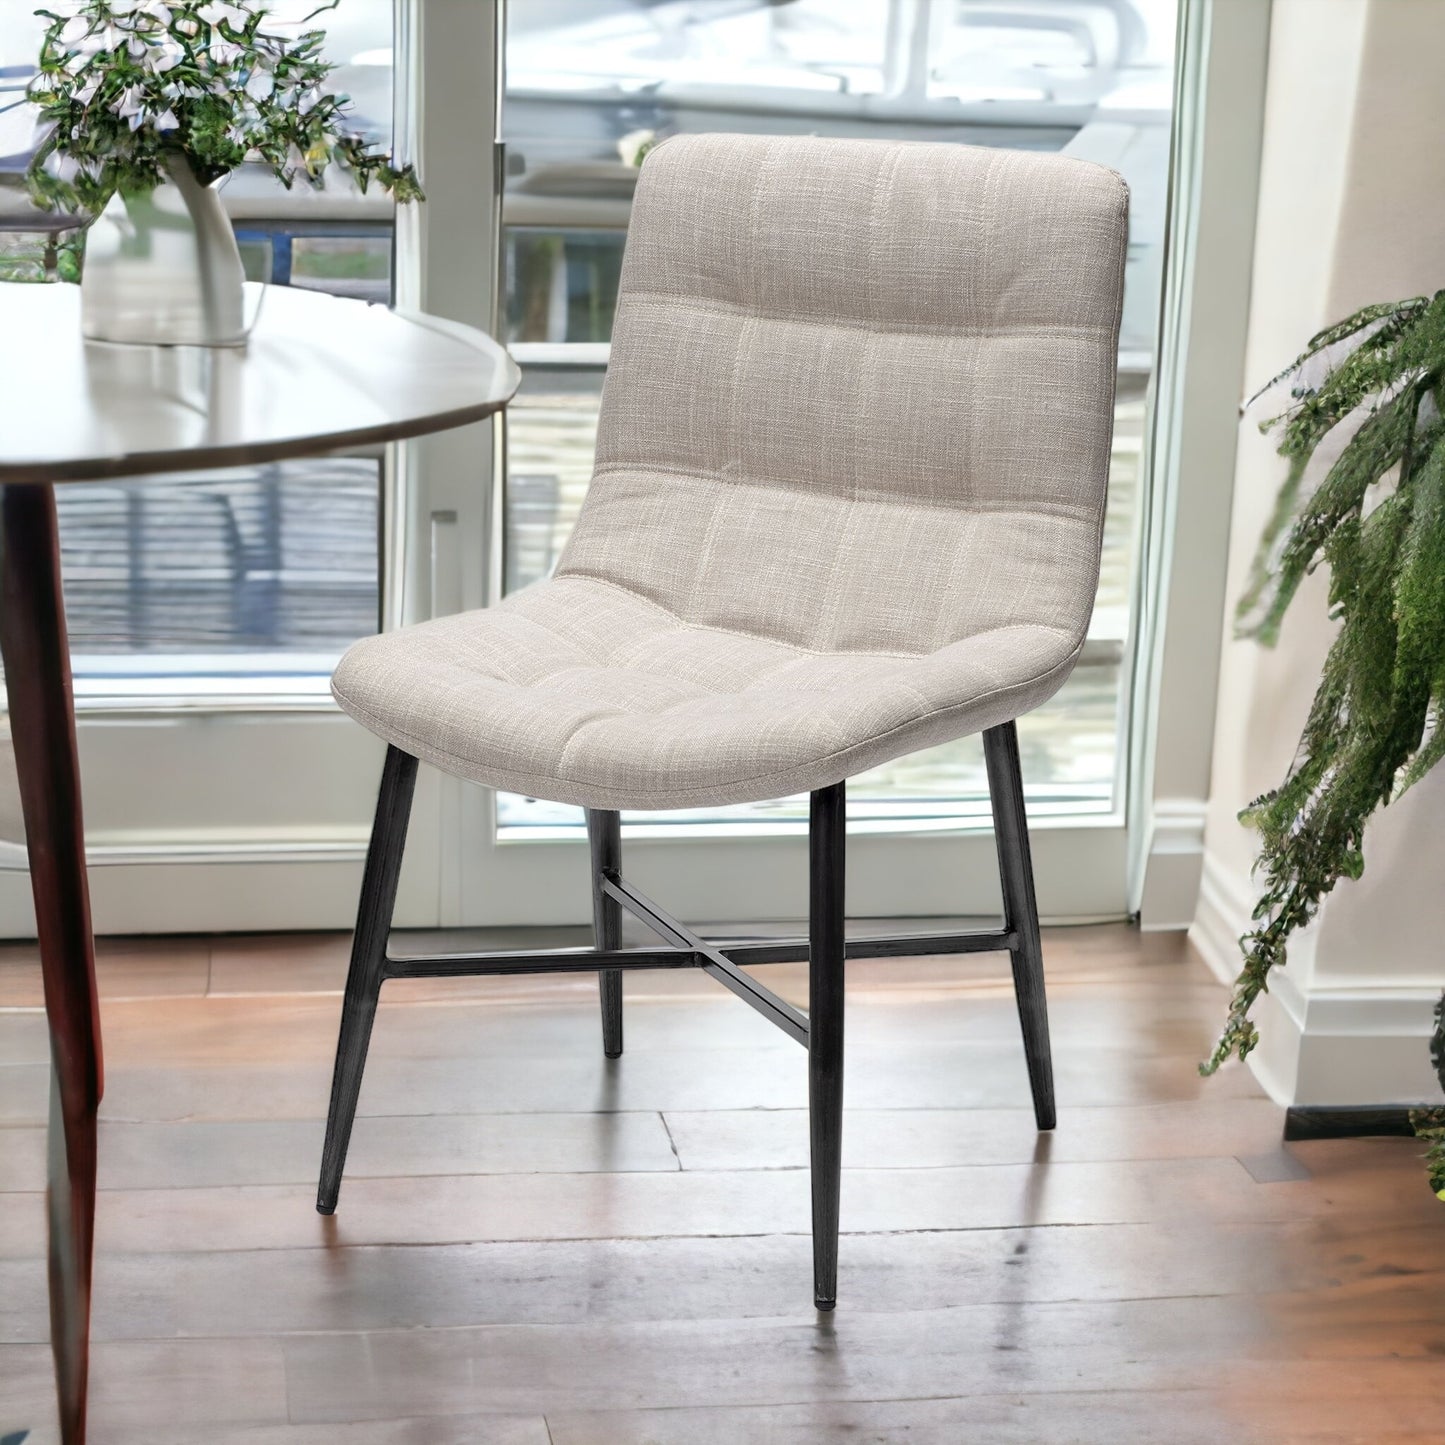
(1200, 384)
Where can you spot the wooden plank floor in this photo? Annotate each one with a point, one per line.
(537, 1247)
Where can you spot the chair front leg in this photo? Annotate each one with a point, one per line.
(1021, 911)
(604, 837)
(368, 958)
(827, 832)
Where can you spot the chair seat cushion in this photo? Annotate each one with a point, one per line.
(579, 691)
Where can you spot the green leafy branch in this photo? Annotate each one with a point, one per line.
(1377, 517)
(123, 87)
(1430, 1123)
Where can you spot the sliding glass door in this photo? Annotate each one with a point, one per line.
(588, 87)
(225, 791)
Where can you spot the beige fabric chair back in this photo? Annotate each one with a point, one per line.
(861, 392)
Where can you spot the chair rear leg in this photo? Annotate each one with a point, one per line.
(604, 835)
(368, 957)
(826, 853)
(1021, 912)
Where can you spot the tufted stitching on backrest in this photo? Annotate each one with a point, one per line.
(943, 342)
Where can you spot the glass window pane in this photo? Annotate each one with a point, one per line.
(560, 286)
(269, 559)
(586, 84)
(344, 265)
(268, 569)
(551, 435)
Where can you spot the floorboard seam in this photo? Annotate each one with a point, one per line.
(672, 1143)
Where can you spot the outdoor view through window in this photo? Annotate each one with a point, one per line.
(589, 82)
(267, 569)
(274, 570)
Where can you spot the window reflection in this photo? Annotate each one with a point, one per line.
(271, 568)
(586, 80)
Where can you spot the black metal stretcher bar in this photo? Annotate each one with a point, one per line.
(711, 960)
(748, 954)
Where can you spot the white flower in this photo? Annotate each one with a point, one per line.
(218, 11)
(166, 122)
(148, 13)
(243, 120)
(635, 145)
(167, 58)
(260, 84)
(128, 105)
(105, 38)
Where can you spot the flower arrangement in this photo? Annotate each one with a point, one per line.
(125, 87)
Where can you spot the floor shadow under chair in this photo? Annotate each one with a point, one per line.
(848, 501)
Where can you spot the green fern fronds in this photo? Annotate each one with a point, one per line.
(1377, 722)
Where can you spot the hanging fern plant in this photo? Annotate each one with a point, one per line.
(1377, 723)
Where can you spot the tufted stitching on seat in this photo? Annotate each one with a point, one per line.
(760, 680)
(514, 781)
(591, 579)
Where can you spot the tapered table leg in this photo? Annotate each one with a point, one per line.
(42, 724)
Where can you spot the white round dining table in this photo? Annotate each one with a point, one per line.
(317, 374)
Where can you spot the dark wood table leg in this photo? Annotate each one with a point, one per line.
(42, 724)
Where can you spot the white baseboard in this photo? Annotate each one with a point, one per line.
(1361, 1043)
(223, 898)
(1172, 865)
(1221, 915)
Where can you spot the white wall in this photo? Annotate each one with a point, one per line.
(1351, 210)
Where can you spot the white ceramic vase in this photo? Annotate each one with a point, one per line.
(163, 268)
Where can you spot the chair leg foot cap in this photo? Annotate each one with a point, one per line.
(325, 1208)
(611, 1055)
(825, 1306)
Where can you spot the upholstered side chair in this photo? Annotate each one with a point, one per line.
(848, 499)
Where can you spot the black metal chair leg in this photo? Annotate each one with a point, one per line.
(827, 818)
(604, 835)
(1021, 912)
(368, 957)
